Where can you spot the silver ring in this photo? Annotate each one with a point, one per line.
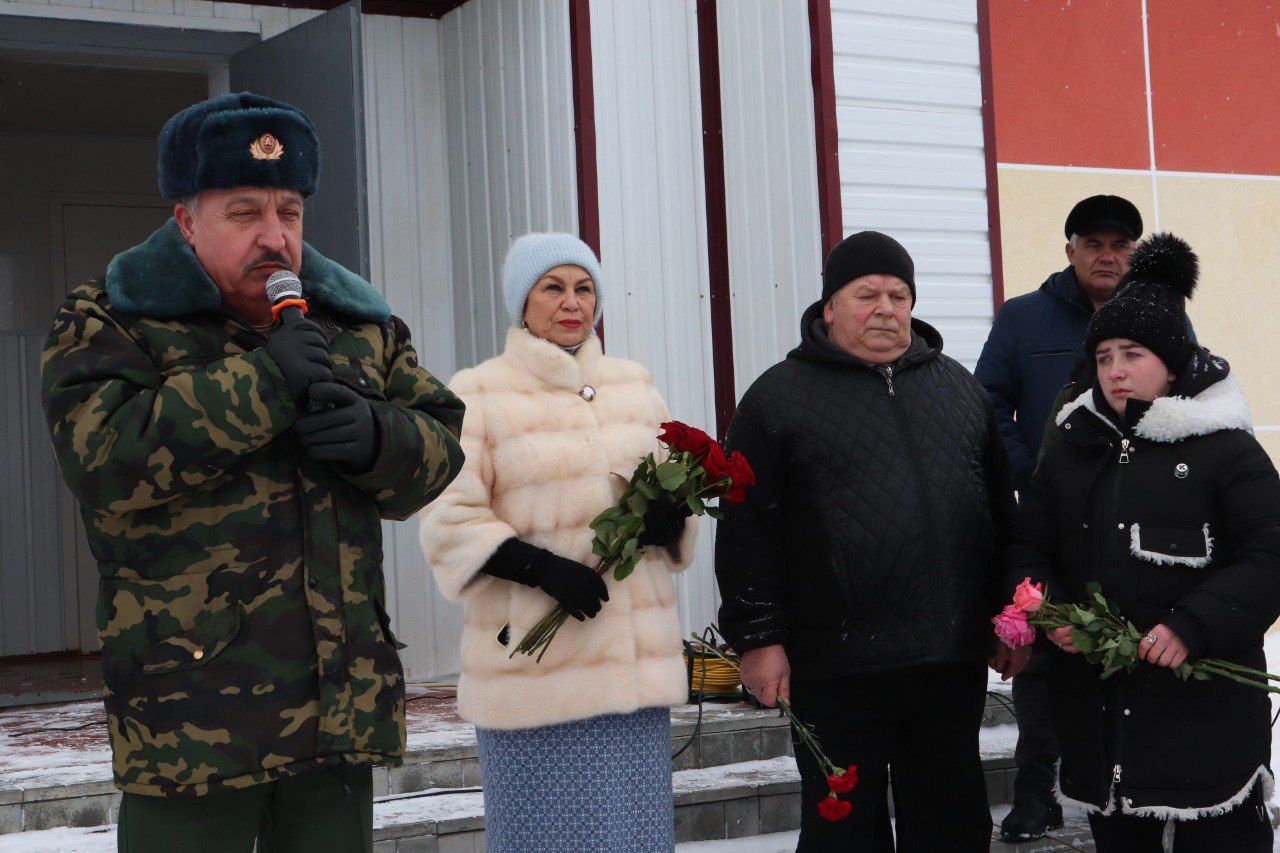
(1150, 639)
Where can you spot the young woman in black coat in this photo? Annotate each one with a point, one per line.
(1160, 493)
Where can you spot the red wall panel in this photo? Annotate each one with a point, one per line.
(1069, 82)
(1215, 83)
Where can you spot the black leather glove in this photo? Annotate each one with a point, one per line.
(301, 352)
(343, 433)
(578, 589)
(663, 521)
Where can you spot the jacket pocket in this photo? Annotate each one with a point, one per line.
(1172, 546)
(195, 646)
(384, 622)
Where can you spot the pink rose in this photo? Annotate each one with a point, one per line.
(1027, 598)
(1012, 628)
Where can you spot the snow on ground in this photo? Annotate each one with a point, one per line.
(782, 842)
(97, 839)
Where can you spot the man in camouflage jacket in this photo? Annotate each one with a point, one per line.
(242, 606)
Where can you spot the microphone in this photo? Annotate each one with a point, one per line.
(284, 289)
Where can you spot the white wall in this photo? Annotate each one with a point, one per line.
(653, 222)
(409, 256)
(509, 116)
(771, 178)
(200, 14)
(909, 110)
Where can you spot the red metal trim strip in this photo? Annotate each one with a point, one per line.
(717, 217)
(826, 133)
(989, 150)
(584, 128)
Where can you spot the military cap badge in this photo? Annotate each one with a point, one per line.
(266, 147)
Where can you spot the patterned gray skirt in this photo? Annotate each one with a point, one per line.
(600, 784)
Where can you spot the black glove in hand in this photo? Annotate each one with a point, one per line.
(578, 589)
(301, 352)
(345, 434)
(663, 521)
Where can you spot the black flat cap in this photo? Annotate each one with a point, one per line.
(1102, 213)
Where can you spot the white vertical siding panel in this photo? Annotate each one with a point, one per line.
(909, 110)
(509, 108)
(409, 254)
(771, 181)
(653, 221)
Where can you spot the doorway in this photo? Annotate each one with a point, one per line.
(77, 185)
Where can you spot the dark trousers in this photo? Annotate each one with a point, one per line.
(1036, 754)
(1244, 829)
(322, 810)
(920, 724)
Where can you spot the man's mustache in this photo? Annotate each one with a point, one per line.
(270, 258)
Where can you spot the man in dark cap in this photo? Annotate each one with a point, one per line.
(860, 575)
(1034, 343)
(233, 470)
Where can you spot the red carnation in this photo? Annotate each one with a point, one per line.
(739, 471)
(845, 782)
(833, 809)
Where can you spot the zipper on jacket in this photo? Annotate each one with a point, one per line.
(931, 543)
(1118, 698)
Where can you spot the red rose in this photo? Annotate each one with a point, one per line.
(714, 463)
(739, 471)
(833, 809)
(844, 782)
(681, 437)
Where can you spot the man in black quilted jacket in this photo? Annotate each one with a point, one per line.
(860, 575)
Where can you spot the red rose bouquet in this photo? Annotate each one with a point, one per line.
(695, 471)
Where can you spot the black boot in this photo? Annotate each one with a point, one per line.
(1030, 819)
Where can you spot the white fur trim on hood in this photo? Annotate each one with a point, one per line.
(1219, 407)
(1162, 559)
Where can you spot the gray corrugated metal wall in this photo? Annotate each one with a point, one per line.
(409, 253)
(509, 113)
(31, 581)
(316, 66)
(653, 221)
(771, 178)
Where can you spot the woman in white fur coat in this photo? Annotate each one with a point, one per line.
(574, 750)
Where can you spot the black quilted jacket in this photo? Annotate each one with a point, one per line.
(874, 536)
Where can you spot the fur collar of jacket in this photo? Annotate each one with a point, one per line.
(162, 278)
(1219, 407)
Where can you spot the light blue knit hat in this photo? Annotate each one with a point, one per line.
(531, 255)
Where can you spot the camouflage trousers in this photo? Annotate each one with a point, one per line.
(325, 810)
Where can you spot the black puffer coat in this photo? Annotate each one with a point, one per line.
(1175, 511)
(872, 537)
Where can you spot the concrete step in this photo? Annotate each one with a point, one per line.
(730, 801)
(55, 766)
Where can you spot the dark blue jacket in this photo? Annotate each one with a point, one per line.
(1035, 341)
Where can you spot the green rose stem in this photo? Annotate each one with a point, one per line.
(544, 631)
(1102, 636)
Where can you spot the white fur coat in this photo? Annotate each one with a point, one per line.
(539, 467)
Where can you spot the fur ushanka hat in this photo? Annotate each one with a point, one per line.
(238, 140)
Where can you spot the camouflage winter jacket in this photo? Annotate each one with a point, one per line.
(241, 607)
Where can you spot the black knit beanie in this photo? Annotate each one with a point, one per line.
(1150, 302)
(867, 253)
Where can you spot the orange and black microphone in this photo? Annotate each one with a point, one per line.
(284, 289)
